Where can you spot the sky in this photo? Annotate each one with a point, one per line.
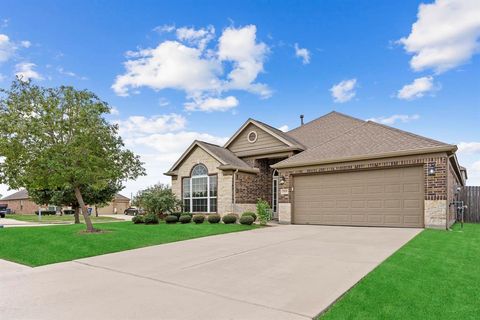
(176, 71)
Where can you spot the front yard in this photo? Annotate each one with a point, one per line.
(56, 218)
(36, 246)
(434, 276)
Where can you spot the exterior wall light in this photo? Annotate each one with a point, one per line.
(431, 169)
(282, 180)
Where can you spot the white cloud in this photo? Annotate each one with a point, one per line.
(445, 34)
(469, 147)
(283, 128)
(7, 48)
(64, 72)
(140, 125)
(159, 141)
(189, 66)
(404, 118)
(212, 104)
(197, 37)
(163, 102)
(25, 71)
(25, 44)
(344, 91)
(417, 89)
(302, 53)
(165, 28)
(114, 111)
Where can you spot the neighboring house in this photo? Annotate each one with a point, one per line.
(334, 170)
(20, 202)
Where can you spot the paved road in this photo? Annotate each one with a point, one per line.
(283, 272)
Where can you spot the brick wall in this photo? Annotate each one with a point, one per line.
(24, 206)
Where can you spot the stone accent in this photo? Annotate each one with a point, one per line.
(284, 213)
(225, 182)
(242, 207)
(435, 214)
(435, 186)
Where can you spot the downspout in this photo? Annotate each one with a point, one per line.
(234, 190)
(455, 195)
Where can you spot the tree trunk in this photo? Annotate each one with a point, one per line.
(77, 215)
(96, 211)
(83, 208)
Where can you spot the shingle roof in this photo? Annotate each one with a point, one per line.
(323, 129)
(119, 196)
(227, 156)
(19, 195)
(369, 139)
(282, 134)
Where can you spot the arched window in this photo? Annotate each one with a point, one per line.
(199, 191)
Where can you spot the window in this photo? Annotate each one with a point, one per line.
(252, 137)
(199, 192)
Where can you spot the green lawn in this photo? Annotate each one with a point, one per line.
(56, 219)
(434, 276)
(36, 246)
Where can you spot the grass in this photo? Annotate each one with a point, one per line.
(434, 276)
(56, 218)
(36, 246)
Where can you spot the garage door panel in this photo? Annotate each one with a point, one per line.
(386, 197)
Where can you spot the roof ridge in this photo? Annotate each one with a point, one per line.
(212, 144)
(406, 132)
(325, 115)
(329, 140)
(281, 133)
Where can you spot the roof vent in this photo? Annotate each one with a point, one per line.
(301, 119)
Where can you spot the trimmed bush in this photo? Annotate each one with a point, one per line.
(185, 218)
(138, 219)
(251, 214)
(198, 218)
(247, 220)
(68, 211)
(171, 219)
(47, 212)
(176, 214)
(214, 218)
(229, 218)
(151, 218)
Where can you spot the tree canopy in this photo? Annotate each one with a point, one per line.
(58, 139)
(157, 199)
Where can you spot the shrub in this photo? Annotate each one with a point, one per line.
(151, 218)
(47, 212)
(198, 218)
(185, 218)
(68, 211)
(171, 219)
(263, 211)
(251, 214)
(176, 214)
(247, 219)
(213, 218)
(229, 218)
(138, 219)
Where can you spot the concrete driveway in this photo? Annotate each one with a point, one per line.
(283, 272)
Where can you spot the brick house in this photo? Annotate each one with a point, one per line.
(19, 202)
(334, 170)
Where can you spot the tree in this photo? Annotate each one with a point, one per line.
(66, 196)
(57, 138)
(157, 199)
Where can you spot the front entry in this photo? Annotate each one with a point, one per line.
(275, 195)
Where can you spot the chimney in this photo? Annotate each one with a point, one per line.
(301, 119)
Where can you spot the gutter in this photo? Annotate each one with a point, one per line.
(230, 167)
(450, 148)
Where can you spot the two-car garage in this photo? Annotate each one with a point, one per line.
(379, 197)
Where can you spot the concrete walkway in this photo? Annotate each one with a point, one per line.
(283, 272)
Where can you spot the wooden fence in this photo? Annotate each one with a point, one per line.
(470, 195)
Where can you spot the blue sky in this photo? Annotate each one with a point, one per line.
(199, 70)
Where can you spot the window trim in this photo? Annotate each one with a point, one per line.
(208, 197)
(256, 136)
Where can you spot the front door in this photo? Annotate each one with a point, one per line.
(275, 195)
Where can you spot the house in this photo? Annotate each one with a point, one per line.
(334, 170)
(20, 202)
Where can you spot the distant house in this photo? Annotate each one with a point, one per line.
(20, 202)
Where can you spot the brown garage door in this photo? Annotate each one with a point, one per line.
(386, 197)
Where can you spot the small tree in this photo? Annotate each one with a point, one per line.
(157, 199)
(263, 212)
(57, 138)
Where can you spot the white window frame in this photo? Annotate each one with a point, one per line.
(208, 197)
